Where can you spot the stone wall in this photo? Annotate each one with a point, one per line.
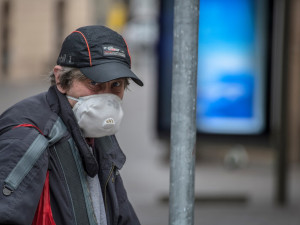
(36, 29)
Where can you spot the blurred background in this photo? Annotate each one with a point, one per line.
(248, 99)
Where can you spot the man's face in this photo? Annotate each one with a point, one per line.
(81, 88)
(87, 87)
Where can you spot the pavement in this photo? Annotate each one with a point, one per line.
(223, 196)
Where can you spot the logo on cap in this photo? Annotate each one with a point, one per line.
(109, 50)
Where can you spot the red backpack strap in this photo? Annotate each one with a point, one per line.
(43, 214)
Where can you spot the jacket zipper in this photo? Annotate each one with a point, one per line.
(106, 183)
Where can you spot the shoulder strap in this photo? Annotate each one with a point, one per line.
(71, 165)
(76, 180)
(32, 154)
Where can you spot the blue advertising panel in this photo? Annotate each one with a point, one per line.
(231, 67)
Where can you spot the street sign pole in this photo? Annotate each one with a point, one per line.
(183, 112)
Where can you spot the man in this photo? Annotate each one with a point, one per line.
(59, 158)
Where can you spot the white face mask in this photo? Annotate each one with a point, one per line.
(98, 115)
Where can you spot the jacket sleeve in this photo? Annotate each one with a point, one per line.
(23, 166)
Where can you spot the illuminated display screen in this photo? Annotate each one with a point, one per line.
(231, 67)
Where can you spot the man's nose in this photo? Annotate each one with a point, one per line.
(105, 89)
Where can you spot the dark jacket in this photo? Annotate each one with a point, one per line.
(66, 156)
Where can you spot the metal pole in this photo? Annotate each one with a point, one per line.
(280, 106)
(282, 12)
(183, 115)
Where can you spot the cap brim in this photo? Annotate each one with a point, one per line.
(109, 71)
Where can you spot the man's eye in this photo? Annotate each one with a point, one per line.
(116, 84)
(93, 83)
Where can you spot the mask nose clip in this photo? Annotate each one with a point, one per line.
(109, 123)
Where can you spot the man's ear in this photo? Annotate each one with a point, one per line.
(57, 73)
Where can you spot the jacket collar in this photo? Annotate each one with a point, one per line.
(109, 152)
(61, 106)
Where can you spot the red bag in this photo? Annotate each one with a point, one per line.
(43, 214)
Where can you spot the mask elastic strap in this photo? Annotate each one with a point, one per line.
(70, 97)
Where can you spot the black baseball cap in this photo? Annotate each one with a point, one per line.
(100, 53)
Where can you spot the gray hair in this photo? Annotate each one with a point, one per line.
(68, 74)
